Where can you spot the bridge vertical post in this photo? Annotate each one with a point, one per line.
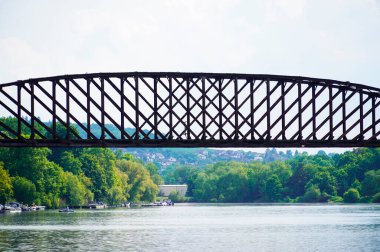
(102, 107)
(67, 110)
(373, 116)
(344, 113)
(203, 108)
(313, 112)
(19, 130)
(170, 108)
(32, 135)
(54, 101)
(252, 86)
(155, 112)
(88, 108)
(299, 111)
(137, 133)
(122, 108)
(283, 110)
(236, 109)
(268, 110)
(220, 111)
(361, 115)
(331, 112)
(188, 108)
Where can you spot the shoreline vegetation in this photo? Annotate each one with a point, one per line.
(351, 177)
(56, 177)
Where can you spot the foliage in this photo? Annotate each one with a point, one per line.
(336, 199)
(176, 197)
(59, 177)
(302, 178)
(142, 187)
(5, 185)
(351, 196)
(74, 191)
(371, 182)
(376, 198)
(24, 190)
(313, 194)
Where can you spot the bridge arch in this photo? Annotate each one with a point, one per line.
(171, 109)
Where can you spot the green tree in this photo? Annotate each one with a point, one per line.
(6, 191)
(98, 165)
(312, 194)
(24, 190)
(376, 198)
(371, 183)
(141, 187)
(233, 184)
(175, 196)
(325, 182)
(351, 196)
(154, 173)
(70, 163)
(74, 191)
(273, 189)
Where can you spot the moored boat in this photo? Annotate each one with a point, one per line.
(40, 207)
(15, 210)
(15, 207)
(66, 210)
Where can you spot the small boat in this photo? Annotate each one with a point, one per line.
(97, 205)
(100, 205)
(15, 210)
(66, 210)
(40, 207)
(15, 207)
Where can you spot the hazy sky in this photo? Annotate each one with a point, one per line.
(336, 39)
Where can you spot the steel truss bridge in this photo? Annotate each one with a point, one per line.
(157, 109)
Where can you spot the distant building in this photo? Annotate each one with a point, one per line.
(165, 190)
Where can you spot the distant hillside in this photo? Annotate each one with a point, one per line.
(97, 131)
(164, 157)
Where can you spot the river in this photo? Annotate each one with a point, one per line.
(196, 227)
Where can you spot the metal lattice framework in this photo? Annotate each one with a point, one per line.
(189, 110)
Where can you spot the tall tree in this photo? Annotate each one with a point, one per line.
(6, 191)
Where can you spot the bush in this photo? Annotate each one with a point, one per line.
(336, 199)
(365, 199)
(313, 194)
(376, 198)
(176, 197)
(351, 196)
(24, 190)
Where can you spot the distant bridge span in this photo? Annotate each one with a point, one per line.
(170, 109)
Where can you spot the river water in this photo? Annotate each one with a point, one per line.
(196, 227)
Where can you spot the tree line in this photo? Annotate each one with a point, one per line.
(350, 177)
(58, 177)
(74, 176)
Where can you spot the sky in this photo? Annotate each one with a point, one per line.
(334, 39)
